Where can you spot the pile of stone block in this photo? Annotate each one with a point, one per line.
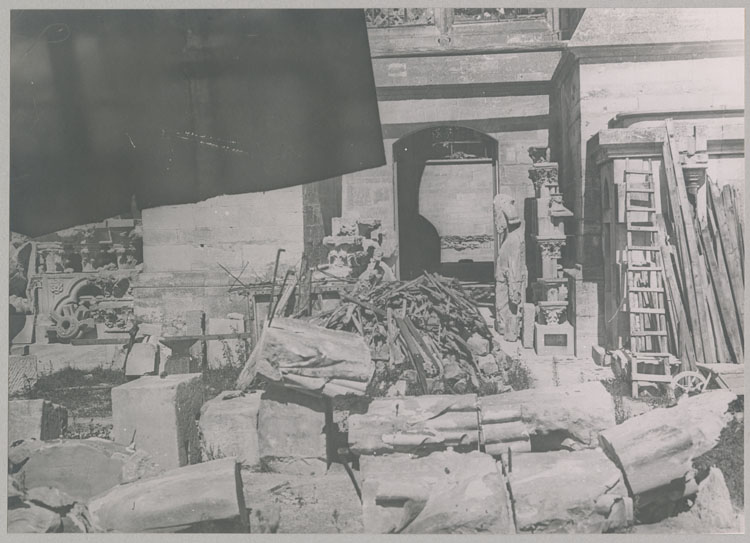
(355, 243)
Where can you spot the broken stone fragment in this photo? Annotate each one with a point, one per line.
(711, 513)
(172, 501)
(564, 492)
(478, 345)
(444, 492)
(488, 365)
(33, 519)
(51, 498)
(91, 466)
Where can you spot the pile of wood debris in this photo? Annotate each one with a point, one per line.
(427, 332)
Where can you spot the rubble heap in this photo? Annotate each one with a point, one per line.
(426, 335)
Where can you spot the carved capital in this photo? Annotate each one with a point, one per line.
(543, 174)
(552, 312)
(550, 248)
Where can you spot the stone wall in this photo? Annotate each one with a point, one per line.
(516, 122)
(457, 200)
(184, 245)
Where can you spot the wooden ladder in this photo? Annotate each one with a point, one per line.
(646, 294)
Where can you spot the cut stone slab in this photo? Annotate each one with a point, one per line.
(142, 360)
(35, 419)
(553, 414)
(444, 492)
(159, 416)
(77, 468)
(566, 492)
(32, 519)
(174, 500)
(229, 427)
(225, 352)
(291, 432)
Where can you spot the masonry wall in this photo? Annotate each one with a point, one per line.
(184, 245)
(516, 122)
(606, 89)
(457, 200)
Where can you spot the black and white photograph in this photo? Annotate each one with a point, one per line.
(350, 270)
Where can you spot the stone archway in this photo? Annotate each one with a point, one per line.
(445, 179)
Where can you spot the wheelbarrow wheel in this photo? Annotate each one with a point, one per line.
(689, 382)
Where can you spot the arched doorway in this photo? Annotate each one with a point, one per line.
(445, 179)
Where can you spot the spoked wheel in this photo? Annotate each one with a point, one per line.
(69, 320)
(689, 382)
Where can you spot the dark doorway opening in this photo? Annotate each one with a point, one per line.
(445, 183)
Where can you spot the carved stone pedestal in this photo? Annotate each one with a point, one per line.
(554, 339)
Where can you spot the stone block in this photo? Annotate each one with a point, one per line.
(291, 432)
(527, 330)
(159, 416)
(22, 373)
(142, 360)
(35, 419)
(229, 427)
(554, 339)
(226, 352)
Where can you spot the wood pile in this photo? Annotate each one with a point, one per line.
(703, 266)
(423, 331)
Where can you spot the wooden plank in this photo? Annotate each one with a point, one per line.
(682, 337)
(686, 238)
(724, 312)
(728, 252)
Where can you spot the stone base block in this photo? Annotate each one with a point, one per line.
(35, 419)
(159, 415)
(291, 431)
(229, 427)
(554, 339)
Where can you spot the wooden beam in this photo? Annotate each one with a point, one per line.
(688, 246)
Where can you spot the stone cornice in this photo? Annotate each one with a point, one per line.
(728, 139)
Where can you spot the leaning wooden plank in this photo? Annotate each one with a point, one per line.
(280, 309)
(729, 251)
(683, 338)
(657, 448)
(173, 501)
(681, 211)
(723, 293)
(292, 349)
(733, 203)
